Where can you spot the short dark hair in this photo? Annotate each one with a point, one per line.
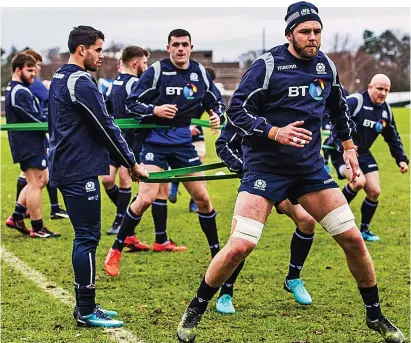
(178, 33)
(21, 60)
(34, 54)
(131, 52)
(83, 35)
(212, 72)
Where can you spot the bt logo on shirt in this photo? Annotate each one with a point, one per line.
(188, 91)
(315, 89)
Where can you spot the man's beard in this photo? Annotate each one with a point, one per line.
(303, 53)
(25, 80)
(140, 71)
(90, 67)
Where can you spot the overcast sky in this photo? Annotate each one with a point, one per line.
(227, 31)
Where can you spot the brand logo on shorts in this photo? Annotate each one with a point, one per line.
(260, 184)
(320, 68)
(149, 156)
(372, 165)
(44, 163)
(95, 197)
(193, 159)
(193, 77)
(90, 186)
(328, 181)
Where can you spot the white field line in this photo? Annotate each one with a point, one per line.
(119, 335)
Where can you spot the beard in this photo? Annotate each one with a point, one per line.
(306, 54)
(26, 80)
(90, 65)
(140, 71)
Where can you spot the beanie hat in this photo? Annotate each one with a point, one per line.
(299, 12)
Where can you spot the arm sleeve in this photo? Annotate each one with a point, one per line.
(336, 104)
(88, 96)
(23, 103)
(39, 90)
(139, 103)
(244, 106)
(228, 147)
(213, 100)
(392, 137)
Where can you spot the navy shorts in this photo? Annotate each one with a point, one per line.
(135, 148)
(280, 187)
(175, 156)
(366, 160)
(37, 162)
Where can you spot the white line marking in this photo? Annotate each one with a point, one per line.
(118, 334)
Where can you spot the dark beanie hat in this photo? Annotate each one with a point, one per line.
(299, 12)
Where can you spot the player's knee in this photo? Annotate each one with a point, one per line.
(306, 224)
(352, 242)
(374, 193)
(203, 200)
(239, 250)
(145, 201)
(247, 229)
(108, 182)
(359, 184)
(339, 220)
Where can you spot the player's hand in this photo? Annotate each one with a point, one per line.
(403, 167)
(165, 111)
(137, 171)
(291, 134)
(194, 130)
(214, 120)
(351, 162)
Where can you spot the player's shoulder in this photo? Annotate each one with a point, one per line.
(19, 90)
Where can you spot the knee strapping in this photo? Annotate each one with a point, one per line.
(338, 220)
(248, 229)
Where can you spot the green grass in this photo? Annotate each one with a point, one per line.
(153, 290)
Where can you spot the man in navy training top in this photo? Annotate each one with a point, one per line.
(197, 137)
(228, 147)
(279, 105)
(27, 147)
(42, 94)
(372, 116)
(82, 134)
(169, 94)
(134, 63)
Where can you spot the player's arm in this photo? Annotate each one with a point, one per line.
(39, 90)
(22, 102)
(343, 125)
(87, 95)
(228, 147)
(392, 137)
(247, 101)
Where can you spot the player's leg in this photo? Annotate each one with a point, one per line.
(21, 183)
(16, 220)
(109, 183)
(56, 212)
(330, 209)
(299, 249)
(369, 206)
(250, 213)
(83, 202)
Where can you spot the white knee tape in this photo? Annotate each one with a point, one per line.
(248, 229)
(338, 220)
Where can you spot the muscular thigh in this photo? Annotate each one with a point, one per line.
(196, 189)
(253, 206)
(319, 203)
(150, 189)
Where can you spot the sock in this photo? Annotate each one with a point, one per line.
(368, 209)
(21, 183)
(37, 225)
(371, 301)
(130, 221)
(349, 193)
(123, 199)
(300, 247)
(86, 300)
(159, 212)
(113, 194)
(209, 227)
(19, 212)
(54, 202)
(203, 296)
(228, 286)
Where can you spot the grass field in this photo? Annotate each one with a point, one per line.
(153, 290)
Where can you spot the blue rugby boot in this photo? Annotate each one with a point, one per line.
(98, 318)
(296, 287)
(172, 194)
(225, 305)
(386, 329)
(369, 236)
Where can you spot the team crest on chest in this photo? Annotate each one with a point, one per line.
(320, 68)
(193, 77)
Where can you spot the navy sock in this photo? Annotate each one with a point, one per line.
(21, 183)
(209, 227)
(54, 201)
(130, 221)
(300, 247)
(159, 212)
(86, 300)
(19, 212)
(203, 296)
(124, 196)
(37, 225)
(349, 193)
(368, 209)
(371, 301)
(113, 194)
(228, 286)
